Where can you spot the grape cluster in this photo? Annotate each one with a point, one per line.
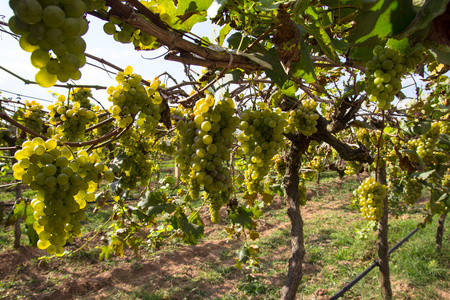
(304, 118)
(63, 183)
(33, 116)
(55, 26)
(136, 165)
(280, 165)
(351, 167)
(384, 74)
(316, 164)
(206, 139)
(426, 144)
(371, 195)
(412, 190)
(70, 119)
(126, 34)
(261, 138)
(132, 99)
(82, 96)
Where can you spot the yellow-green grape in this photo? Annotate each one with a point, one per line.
(132, 101)
(280, 165)
(371, 195)
(302, 192)
(351, 167)
(206, 139)
(446, 181)
(308, 175)
(82, 96)
(317, 164)
(412, 191)
(194, 186)
(304, 118)
(261, 139)
(215, 204)
(136, 167)
(384, 74)
(127, 34)
(426, 144)
(33, 117)
(70, 118)
(63, 184)
(51, 31)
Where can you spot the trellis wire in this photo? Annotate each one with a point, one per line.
(372, 266)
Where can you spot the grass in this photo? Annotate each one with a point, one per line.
(339, 245)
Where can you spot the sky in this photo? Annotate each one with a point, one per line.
(99, 44)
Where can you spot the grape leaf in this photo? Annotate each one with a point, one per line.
(423, 175)
(304, 67)
(384, 18)
(430, 10)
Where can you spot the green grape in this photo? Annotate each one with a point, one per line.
(60, 193)
(412, 191)
(55, 26)
(263, 131)
(205, 142)
(384, 74)
(371, 195)
(132, 101)
(72, 117)
(304, 118)
(302, 192)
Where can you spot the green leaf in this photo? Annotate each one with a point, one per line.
(403, 46)
(304, 67)
(242, 216)
(429, 11)
(385, 18)
(19, 210)
(223, 33)
(322, 38)
(150, 198)
(244, 255)
(361, 53)
(277, 73)
(32, 235)
(423, 175)
(191, 12)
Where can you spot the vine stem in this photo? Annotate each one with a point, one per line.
(210, 83)
(379, 148)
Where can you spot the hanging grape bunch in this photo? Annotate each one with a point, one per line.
(70, 119)
(426, 144)
(51, 31)
(261, 139)
(132, 99)
(351, 167)
(63, 184)
(412, 191)
(304, 118)
(136, 165)
(371, 195)
(127, 34)
(33, 117)
(280, 165)
(384, 74)
(206, 139)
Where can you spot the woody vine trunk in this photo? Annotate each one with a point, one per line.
(383, 247)
(291, 182)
